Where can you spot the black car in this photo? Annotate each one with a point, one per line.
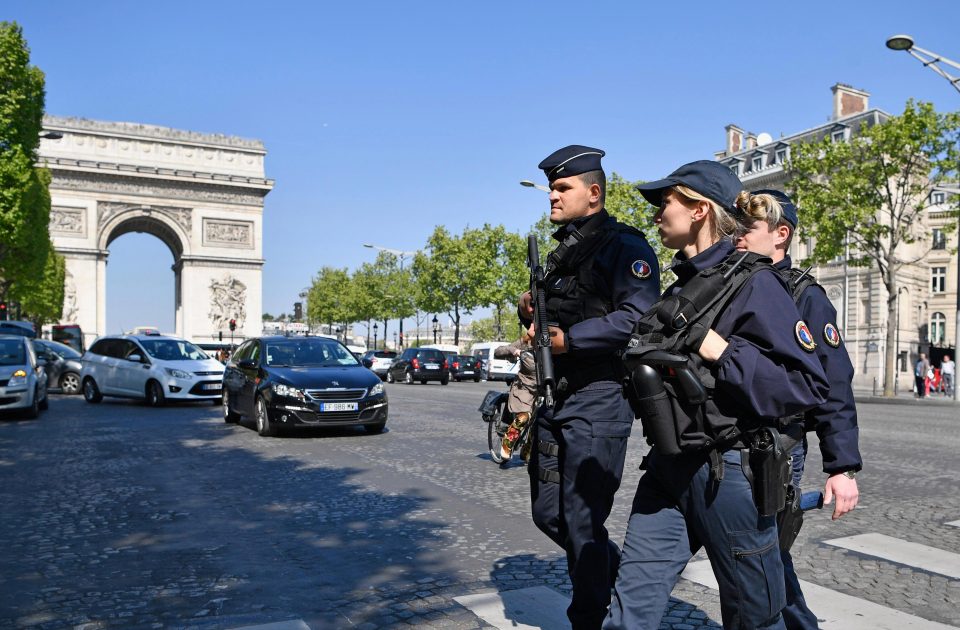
(420, 364)
(465, 367)
(301, 381)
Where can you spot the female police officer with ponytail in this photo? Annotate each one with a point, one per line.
(754, 367)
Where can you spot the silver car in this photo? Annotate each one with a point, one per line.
(23, 381)
(63, 365)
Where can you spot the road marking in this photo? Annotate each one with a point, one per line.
(292, 624)
(900, 551)
(521, 609)
(838, 611)
(954, 524)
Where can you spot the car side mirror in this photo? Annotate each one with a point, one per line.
(247, 364)
(367, 363)
(135, 358)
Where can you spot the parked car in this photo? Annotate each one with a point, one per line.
(466, 367)
(153, 367)
(420, 364)
(23, 381)
(379, 361)
(494, 368)
(63, 365)
(301, 381)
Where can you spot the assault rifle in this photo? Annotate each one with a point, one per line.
(546, 383)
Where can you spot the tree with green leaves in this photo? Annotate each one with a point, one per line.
(452, 274)
(872, 192)
(24, 197)
(41, 298)
(327, 298)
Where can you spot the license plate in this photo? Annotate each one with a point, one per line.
(431, 366)
(210, 386)
(343, 406)
(468, 371)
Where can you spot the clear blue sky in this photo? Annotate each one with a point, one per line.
(384, 119)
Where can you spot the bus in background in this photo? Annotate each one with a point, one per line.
(69, 334)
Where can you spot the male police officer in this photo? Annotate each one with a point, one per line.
(836, 419)
(599, 280)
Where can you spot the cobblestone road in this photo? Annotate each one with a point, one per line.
(118, 515)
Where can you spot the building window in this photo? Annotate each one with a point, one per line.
(938, 328)
(936, 198)
(735, 167)
(939, 239)
(938, 279)
(757, 163)
(839, 135)
(780, 157)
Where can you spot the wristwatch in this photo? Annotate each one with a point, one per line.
(850, 474)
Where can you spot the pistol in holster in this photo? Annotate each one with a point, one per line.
(770, 471)
(790, 518)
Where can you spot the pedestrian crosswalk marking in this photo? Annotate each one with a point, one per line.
(954, 524)
(520, 609)
(895, 550)
(838, 611)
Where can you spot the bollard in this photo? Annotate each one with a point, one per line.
(874, 385)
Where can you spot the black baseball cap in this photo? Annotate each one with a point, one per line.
(789, 210)
(711, 179)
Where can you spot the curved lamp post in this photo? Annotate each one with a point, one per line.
(529, 184)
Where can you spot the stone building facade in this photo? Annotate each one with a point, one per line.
(928, 288)
(202, 195)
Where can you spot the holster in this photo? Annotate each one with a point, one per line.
(770, 470)
(790, 519)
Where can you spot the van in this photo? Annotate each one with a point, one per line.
(495, 369)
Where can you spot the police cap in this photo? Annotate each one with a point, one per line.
(789, 210)
(711, 179)
(572, 160)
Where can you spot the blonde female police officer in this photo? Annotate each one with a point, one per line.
(755, 353)
(600, 279)
(835, 421)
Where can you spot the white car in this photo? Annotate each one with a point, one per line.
(152, 367)
(23, 381)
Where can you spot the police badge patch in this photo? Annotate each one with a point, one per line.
(804, 336)
(641, 269)
(831, 335)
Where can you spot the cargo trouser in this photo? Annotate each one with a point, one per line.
(575, 468)
(677, 510)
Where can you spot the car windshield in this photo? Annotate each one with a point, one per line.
(173, 350)
(308, 353)
(12, 352)
(64, 350)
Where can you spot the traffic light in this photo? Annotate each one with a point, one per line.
(233, 325)
(3, 311)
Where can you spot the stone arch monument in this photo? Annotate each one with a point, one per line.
(200, 194)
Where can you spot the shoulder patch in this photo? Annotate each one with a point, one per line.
(641, 269)
(831, 335)
(804, 337)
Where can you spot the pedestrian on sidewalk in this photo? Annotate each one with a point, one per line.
(947, 373)
(920, 374)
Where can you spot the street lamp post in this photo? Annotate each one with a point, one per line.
(375, 327)
(402, 255)
(935, 62)
(529, 184)
(436, 328)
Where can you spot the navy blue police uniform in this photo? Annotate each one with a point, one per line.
(600, 279)
(835, 421)
(682, 503)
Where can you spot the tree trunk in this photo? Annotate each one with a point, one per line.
(368, 333)
(384, 334)
(499, 322)
(890, 354)
(456, 325)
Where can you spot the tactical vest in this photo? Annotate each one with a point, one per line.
(797, 281)
(669, 386)
(571, 285)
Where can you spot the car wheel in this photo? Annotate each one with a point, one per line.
(389, 377)
(70, 383)
(375, 428)
(33, 412)
(444, 381)
(91, 393)
(423, 381)
(229, 416)
(408, 378)
(45, 403)
(154, 394)
(476, 379)
(264, 428)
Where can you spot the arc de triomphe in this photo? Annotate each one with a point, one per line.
(201, 194)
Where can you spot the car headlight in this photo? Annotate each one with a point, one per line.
(376, 389)
(285, 390)
(19, 378)
(175, 373)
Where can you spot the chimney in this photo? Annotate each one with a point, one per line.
(751, 140)
(719, 155)
(734, 139)
(848, 100)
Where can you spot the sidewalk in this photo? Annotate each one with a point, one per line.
(902, 398)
